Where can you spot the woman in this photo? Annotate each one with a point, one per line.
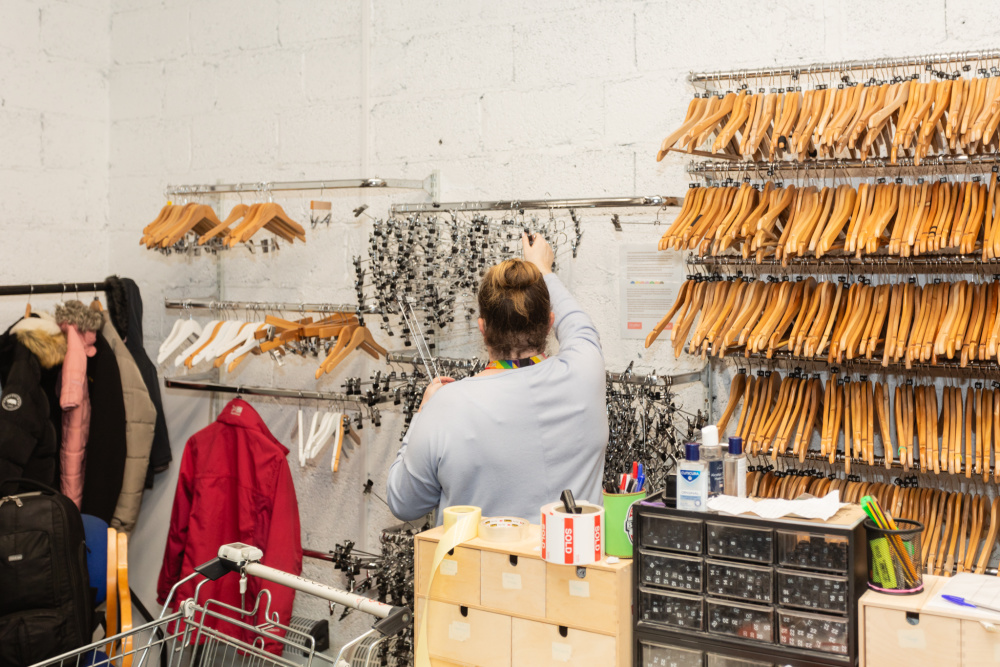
(513, 437)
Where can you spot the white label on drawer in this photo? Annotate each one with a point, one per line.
(449, 567)
(912, 638)
(579, 589)
(511, 582)
(996, 652)
(458, 631)
(561, 652)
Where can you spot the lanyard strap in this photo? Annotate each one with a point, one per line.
(507, 364)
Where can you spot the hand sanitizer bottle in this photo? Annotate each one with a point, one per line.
(711, 454)
(736, 469)
(692, 481)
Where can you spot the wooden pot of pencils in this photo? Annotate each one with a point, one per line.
(894, 557)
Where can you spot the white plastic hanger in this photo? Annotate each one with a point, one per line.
(183, 329)
(201, 340)
(247, 340)
(226, 338)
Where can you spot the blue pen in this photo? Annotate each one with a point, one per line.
(962, 602)
(642, 478)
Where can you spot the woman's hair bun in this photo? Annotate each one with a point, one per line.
(517, 274)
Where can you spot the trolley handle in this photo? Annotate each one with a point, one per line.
(245, 559)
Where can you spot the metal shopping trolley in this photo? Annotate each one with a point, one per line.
(210, 633)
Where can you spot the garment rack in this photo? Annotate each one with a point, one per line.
(845, 66)
(52, 288)
(628, 378)
(848, 264)
(783, 166)
(537, 204)
(211, 304)
(263, 391)
(431, 185)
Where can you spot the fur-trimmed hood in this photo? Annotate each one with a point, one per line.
(50, 349)
(85, 319)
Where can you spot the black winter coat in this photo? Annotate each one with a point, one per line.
(27, 435)
(106, 447)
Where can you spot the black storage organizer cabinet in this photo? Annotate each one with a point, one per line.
(740, 591)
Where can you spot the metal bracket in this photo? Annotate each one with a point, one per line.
(432, 184)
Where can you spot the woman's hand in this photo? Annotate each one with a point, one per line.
(538, 252)
(432, 389)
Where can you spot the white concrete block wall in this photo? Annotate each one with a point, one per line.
(104, 102)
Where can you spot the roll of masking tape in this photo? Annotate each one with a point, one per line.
(461, 524)
(503, 529)
(572, 539)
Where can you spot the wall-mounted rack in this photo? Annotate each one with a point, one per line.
(265, 391)
(974, 370)
(212, 304)
(845, 66)
(629, 378)
(878, 463)
(848, 264)
(765, 168)
(537, 204)
(52, 288)
(431, 185)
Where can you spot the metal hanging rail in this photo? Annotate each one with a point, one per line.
(784, 166)
(263, 391)
(537, 204)
(408, 357)
(973, 370)
(211, 304)
(52, 288)
(878, 463)
(845, 66)
(847, 264)
(429, 184)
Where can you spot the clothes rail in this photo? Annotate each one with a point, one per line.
(837, 265)
(210, 304)
(878, 462)
(629, 378)
(784, 166)
(263, 391)
(974, 370)
(52, 288)
(845, 66)
(429, 184)
(537, 204)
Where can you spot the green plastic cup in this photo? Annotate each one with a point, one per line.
(618, 513)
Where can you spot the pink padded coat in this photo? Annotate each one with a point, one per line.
(75, 402)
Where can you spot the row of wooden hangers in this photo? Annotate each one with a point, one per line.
(958, 527)
(226, 343)
(897, 323)
(901, 116)
(175, 221)
(779, 416)
(790, 221)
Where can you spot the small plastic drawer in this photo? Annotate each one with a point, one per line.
(683, 573)
(813, 632)
(671, 534)
(813, 591)
(662, 655)
(743, 621)
(736, 580)
(812, 551)
(716, 660)
(671, 610)
(740, 542)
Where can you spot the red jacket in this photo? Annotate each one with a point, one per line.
(234, 486)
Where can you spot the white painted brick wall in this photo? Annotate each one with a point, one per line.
(104, 102)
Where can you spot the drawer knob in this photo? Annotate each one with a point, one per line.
(563, 631)
(913, 618)
(513, 560)
(464, 611)
(581, 572)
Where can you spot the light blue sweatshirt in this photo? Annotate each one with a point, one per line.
(511, 442)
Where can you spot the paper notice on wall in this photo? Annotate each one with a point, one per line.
(649, 280)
